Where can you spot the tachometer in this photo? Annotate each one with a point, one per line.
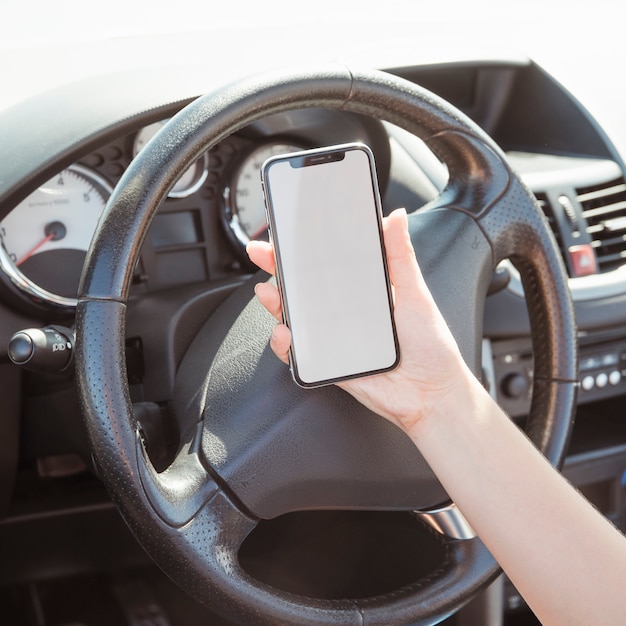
(243, 199)
(45, 237)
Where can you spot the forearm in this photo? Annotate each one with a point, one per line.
(566, 560)
(563, 556)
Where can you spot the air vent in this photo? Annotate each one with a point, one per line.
(546, 207)
(604, 209)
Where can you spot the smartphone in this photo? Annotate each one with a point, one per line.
(325, 222)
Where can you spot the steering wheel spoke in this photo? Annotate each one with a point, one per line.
(457, 263)
(179, 492)
(448, 521)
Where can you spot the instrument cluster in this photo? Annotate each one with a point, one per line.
(201, 229)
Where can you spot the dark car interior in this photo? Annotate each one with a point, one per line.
(68, 556)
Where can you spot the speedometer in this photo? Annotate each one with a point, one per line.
(45, 237)
(243, 199)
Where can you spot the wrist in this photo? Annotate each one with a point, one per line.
(464, 400)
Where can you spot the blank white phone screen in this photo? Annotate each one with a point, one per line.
(327, 236)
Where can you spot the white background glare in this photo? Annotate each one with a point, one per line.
(581, 43)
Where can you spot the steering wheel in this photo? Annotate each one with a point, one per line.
(257, 446)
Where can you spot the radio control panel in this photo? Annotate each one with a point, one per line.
(602, 372)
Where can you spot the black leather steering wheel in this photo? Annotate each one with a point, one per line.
(258, 446)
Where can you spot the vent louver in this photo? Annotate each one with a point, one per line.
(604, 210)
(546, 207)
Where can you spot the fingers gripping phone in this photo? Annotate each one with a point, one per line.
(325, 220)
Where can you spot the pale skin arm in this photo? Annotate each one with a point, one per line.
(566, 560)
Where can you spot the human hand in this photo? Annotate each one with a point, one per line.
(431, 369)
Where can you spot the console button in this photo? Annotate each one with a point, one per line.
(514, 386)
(615, 377)
(588, 383)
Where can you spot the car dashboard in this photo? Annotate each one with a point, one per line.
(69, 148)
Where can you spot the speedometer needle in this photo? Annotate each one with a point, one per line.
(34, 249)
(54, 231)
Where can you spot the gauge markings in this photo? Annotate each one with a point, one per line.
(60, 216)
(247, 207)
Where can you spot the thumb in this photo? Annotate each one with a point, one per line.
(403, 268)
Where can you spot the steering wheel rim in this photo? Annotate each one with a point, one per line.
(184, 517)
